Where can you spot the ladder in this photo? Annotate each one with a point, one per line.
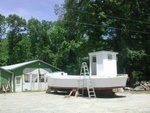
(90, 89)
(86, 81)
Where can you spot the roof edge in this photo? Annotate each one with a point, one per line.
(24, 64)
(6, 70)
(50, 65)
(102, 52)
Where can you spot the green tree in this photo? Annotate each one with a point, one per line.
(17, 28)
(65, 46)
(45, 52)
(131, 40)
(2, 26)
(22, 49)
(33, 27)
(4, 52)
(40, 40)
(121, 26)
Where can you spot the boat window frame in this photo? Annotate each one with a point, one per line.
(94, 59)
(109, 56)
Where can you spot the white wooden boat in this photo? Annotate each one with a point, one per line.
(69, 82)
(103, 74)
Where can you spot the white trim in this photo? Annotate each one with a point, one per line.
(0, 78)
(12, 83)
(102, 52)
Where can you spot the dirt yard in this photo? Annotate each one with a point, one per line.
(41, 102)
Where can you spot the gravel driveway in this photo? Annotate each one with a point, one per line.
(41, 102)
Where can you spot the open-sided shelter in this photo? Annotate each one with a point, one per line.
(5, 80)
(29, 75)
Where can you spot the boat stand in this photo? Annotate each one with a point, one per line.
(73, 92)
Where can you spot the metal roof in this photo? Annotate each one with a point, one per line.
(5, 70)
(14, 66)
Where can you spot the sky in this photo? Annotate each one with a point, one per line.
(39, 9)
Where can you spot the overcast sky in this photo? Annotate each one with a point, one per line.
(40, 9)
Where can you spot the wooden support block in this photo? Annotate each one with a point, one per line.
(73, 91)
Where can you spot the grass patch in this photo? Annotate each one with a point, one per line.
(140, 92)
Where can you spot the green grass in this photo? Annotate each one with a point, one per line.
(140, 92)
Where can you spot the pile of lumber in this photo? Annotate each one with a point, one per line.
(142, 87)
(5, 88)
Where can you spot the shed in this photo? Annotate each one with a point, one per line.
(5, 80)
(30, 75)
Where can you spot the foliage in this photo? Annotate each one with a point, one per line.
(121, 26)
(136, 74)
(84, 26)
(4, 52)
(2, 26)
(16, 30)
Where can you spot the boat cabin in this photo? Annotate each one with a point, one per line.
(103, 63)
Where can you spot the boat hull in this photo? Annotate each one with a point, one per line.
(69, 82)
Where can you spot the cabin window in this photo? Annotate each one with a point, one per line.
(94, 59)
(41, 77)
(109, 56)
(26, 78)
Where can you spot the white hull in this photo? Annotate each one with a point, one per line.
(69, 82)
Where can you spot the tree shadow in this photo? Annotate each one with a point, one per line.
(104, 96)
(110, 96)
(58, 92)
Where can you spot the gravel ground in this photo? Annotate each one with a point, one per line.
(41, 102)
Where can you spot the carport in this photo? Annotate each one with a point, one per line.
(5, 80)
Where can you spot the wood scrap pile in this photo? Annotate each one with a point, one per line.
(142, 87)
(5, 88)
